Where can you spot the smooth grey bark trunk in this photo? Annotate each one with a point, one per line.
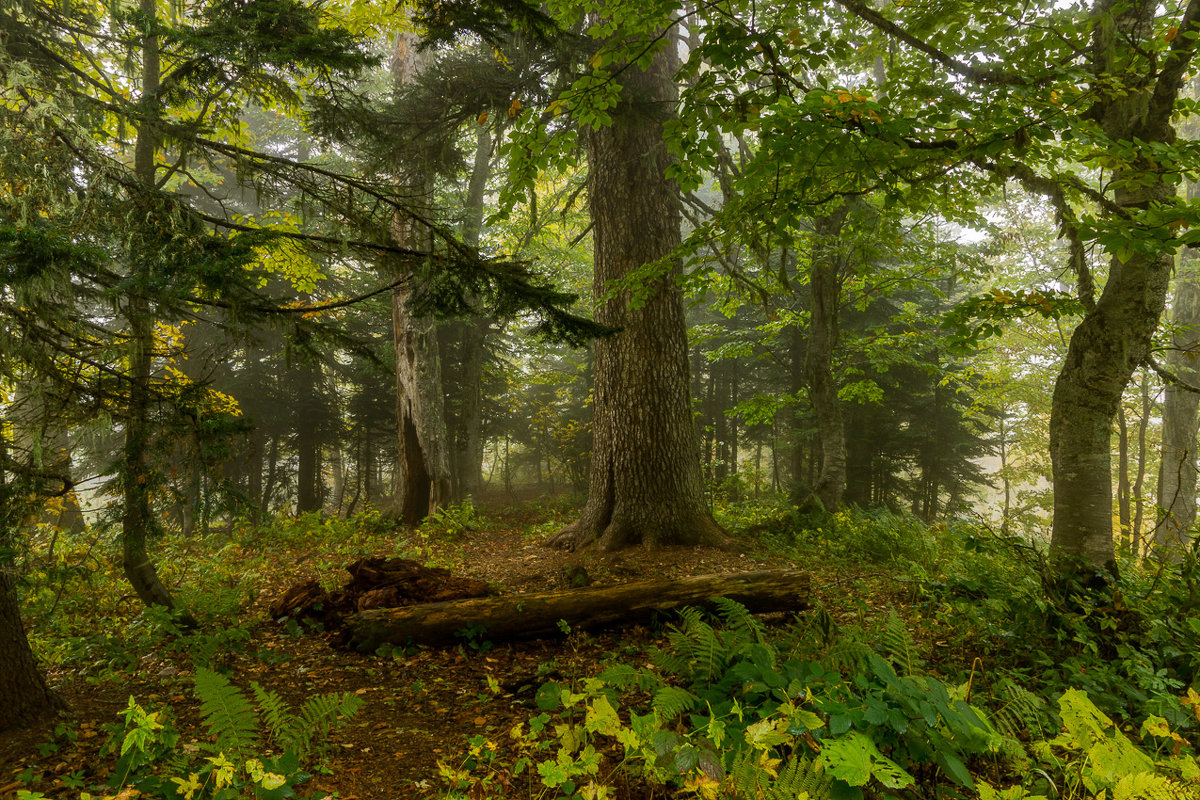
(645, 480)
(1177, 472)
(1124, 503)
(1114, 337)
(423, 481)
(1139, 482)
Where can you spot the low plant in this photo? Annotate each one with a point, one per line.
(258, 746)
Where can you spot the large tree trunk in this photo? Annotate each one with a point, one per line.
(645, 482)
(825, 284)
(24, 695)
(423, 475)
(1177, 473)
(1114, 337)
(530, 616)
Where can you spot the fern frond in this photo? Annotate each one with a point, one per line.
(847, 655)
(896, 645)
(744, 625)
(323, 712)
(800, 777)
(1021, 714)
(671, 701)
(228, 715)
(287, 730)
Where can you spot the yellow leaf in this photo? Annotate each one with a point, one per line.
(1171, 34)
(482, 118)
(515, 108)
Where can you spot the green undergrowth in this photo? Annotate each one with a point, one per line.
(258, 746)
(978, 668)
(83, 617)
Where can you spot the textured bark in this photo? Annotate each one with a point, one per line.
(307, 446)
(423, 475)
(1114, 337)
(825, 284)
(1177, 473)
(136, 516)
(24, 695)
(466, 456)
(530, 616)
(645, 481)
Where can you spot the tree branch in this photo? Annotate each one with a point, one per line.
(992, 77)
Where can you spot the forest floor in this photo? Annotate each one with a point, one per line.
(421, 707)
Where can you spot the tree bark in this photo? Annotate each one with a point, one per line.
(136, 476)
(645, 482)
(1114, 337)
(825, 284)
(467, 444)
(1177, 473)
(24, 695)
(530, 616)
(423, 480)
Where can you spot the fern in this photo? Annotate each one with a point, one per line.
(1021, 713)
(323, 712)
(798, 778)
(671, 701)
(896, 645)
(284, 727)
(744, 626)
(228, 715)
(801, 776)
(237, 726)
(847, 655)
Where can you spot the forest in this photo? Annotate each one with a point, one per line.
(665, 399)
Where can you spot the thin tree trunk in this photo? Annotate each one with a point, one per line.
(825, 283)
(1124, 507)
(136, 475)
(1177, 472)
(1139, 502)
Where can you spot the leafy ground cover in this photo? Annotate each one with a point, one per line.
(935, 662)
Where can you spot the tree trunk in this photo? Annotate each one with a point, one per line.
(825, 284)
(423, 463)
(474, 333)
(136, 475)
(1124, 506)
(1139, 483)
(1114, 337)
(1177, 473)
(530, 616)
(645, 481)
(24, 695)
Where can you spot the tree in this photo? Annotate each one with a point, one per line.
(1177, 472)
(645, 483)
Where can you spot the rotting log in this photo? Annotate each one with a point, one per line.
(531, 616)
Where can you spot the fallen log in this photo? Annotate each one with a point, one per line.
(531, 616)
